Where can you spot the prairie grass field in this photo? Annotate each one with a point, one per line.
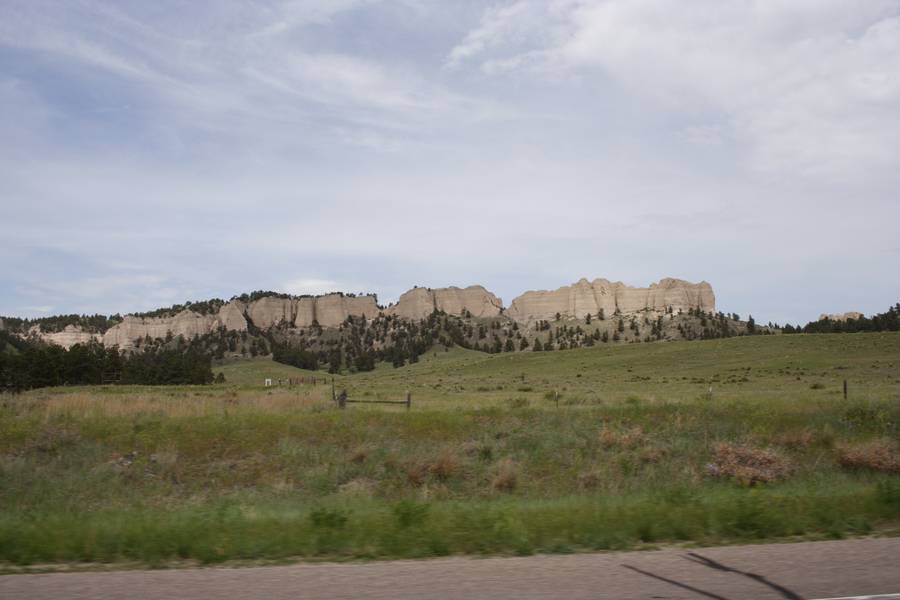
(705, 442)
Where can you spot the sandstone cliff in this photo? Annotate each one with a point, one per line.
(187, 324)
(264, 313)
(841, 316)
(589, 297)
(418, 303)
(68, 337)
(231, 316)
(328, 311)
(333, 309)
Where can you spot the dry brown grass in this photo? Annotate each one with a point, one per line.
(416, 474)
(652, 454)
(444, 466)
(746, 465)
(877, 455)
(589, 479)
(359, 455)
(622, 440)
(506, 476)
(93, 405)
(797, 439)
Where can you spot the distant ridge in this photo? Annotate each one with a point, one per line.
(263, 311)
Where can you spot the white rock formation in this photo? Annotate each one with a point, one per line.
(264, 313)
(588, 297)
(68, 337)
(231, 316)
(333, 309)
(418, 303)
(841, 316)
(187, 324)
(271, 310)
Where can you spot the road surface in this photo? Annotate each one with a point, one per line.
(839, 569)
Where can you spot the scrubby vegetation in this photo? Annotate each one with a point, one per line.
(604, 447)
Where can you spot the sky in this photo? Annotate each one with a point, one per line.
(157, 152)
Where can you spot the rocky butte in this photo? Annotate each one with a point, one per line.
(589, 297)
(418, 302)
(331, 310)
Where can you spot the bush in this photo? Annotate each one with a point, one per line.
(506, 476)
(623, 440)
(747, 466)
(878, 455)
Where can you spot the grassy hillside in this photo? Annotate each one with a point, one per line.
(710, 442)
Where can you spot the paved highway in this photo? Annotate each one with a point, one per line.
(811, 570)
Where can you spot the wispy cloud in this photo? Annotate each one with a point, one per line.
(165, 151)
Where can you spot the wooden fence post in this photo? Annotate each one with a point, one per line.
(845, 389)
(408, 400)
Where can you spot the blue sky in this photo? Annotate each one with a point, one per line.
(156, 152)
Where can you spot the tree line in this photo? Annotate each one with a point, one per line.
(886, 321)
(25, 366)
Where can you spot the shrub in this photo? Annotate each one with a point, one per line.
(444, 466)
(877, 455)
(623, 440)
(506, 476)
(589, 479)
(747, 466)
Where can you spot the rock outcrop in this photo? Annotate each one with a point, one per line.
(842, 316)
(328, 311)
(270, 311)
(264, 313)
(68, 337)
(187, 324)
(231, 316)
(418, 303)
(333, 309)
(577, 300)
(589, 297)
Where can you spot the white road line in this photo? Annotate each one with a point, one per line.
(875, 597)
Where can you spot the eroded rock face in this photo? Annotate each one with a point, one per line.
(68, 337)
(841, 316)
(270, 311)
(187, 324)
(589, 297)
(418, 303)
(306, 312)
(231, 316)
(333, 309)
(264, 313)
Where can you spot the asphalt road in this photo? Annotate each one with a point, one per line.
(850, 568)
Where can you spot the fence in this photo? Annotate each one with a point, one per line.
(292, 381)
(342, 400)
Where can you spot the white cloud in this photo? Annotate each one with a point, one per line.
(812, 87)
(313, 287)
(349, 142)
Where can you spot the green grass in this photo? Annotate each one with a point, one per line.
(484, 463)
